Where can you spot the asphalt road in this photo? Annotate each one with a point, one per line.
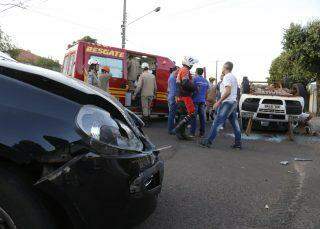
(225, 188)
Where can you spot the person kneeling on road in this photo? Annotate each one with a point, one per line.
(186, 89)
(147, 85)
(227, 105)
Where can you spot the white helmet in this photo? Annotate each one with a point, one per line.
(189, 61)
(92, 61)
(144, 65)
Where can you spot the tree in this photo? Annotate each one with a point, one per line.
(5, 42)
(48, 63)
(280, 67)
(7, 46)
(86, 39)
(303, 46)
(14, 52)
(300, 59)
(284, 66)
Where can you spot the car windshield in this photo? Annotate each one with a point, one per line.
(115, 65)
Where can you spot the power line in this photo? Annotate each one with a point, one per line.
(198, 7)
(67, 20)
(21, 5)
(13, 5)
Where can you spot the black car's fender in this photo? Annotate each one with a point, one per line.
(36, 125)
(37, 118)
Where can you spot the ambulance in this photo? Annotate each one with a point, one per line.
(125, 68)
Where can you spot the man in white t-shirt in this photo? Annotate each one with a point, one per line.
(226, 107)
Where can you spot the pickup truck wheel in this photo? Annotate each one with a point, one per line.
(300, 90)
(20, 206)
(245, 87)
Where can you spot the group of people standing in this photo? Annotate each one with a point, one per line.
(98, 76)
(191, 94)
(145, 88)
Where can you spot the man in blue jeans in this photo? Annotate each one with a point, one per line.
(227, 108)
(199, 100)
(172, 93)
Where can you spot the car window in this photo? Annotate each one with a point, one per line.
(71, 65)
(115, 65)
(68, 65)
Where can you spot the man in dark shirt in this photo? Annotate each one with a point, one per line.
(199, 100)
(172, 94)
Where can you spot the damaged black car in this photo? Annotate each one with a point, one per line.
(71, 156)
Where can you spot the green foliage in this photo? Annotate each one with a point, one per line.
(7, 46)
(280, 67)
(14, 52)
(86, 39)
(300, 59)
(5, 42)
(48, 63)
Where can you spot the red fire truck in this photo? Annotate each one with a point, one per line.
(125, 70)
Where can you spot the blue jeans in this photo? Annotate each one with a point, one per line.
(199, 110)
(172, 114)
(226, 111)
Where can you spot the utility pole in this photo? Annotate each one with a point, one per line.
(318, 96)
(124, 24)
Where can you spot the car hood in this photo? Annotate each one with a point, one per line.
(133, 120)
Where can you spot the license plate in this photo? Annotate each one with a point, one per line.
(272, 106)
(264, 123)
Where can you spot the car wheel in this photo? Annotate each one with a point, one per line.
(20, 206)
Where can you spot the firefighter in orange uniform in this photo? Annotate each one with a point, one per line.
(104, 78)
(186, 89)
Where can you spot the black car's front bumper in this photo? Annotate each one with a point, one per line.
(98, 191)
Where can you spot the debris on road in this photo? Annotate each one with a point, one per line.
(302, 159)
(266, 206)
(291, 172)
(313, 126)
(277, 138)
(284, 162)
(164, 148)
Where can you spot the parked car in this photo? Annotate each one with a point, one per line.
(71, 156)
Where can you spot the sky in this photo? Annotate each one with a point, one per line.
(246, 32)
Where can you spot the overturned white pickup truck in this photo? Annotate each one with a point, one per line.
(271, 107)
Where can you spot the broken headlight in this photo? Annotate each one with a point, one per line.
(99, 125)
